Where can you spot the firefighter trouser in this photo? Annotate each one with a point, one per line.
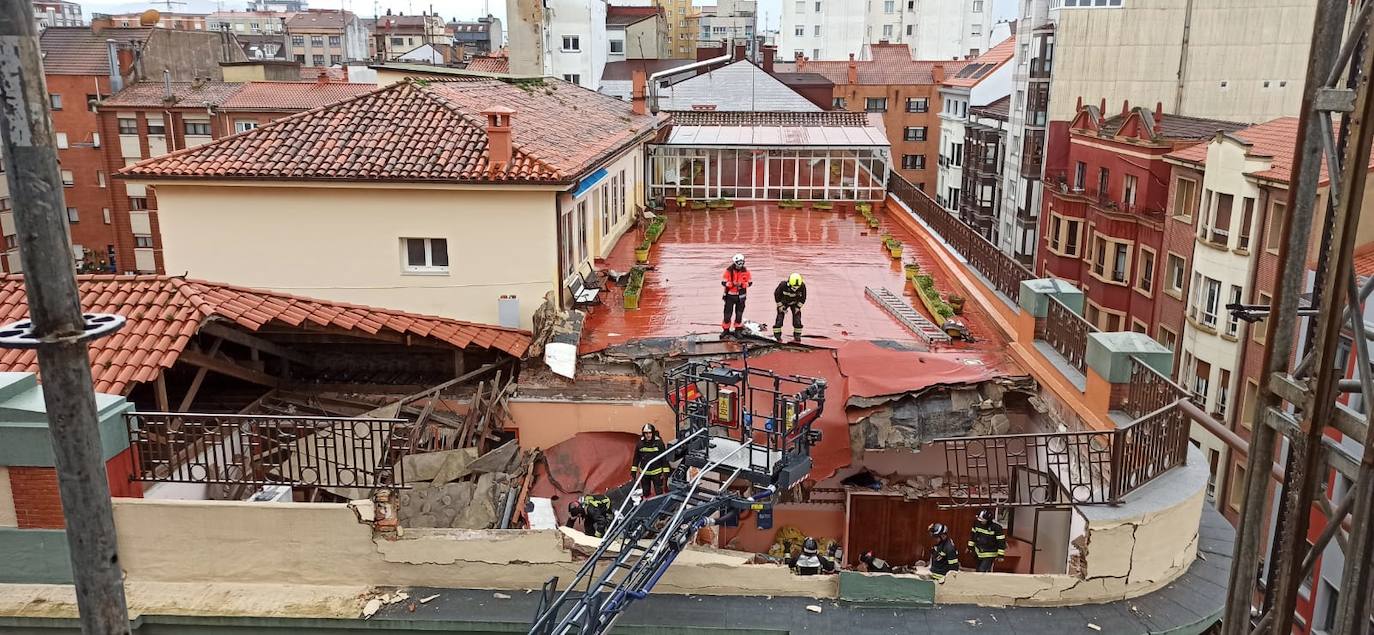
(654, 484)
(985, 564)
(734, 304)
(782, 317)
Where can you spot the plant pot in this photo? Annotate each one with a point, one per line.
(957, 306)
(911, 271)
(864, 208)
(896, 252)
(697, 205)
(631, 300)
(873, 222)
(641, 255)
(823, 205)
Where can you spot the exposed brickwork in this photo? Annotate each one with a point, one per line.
(1179, 240)
(37, 503)
(1117, 396)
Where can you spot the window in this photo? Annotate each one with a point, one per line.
(1216, 226)
(1128, 186)
(317, 60)
(55, 100)
(572, 78)
(977, 6)
(1233, 322)
(1140, 327)
(105, 215)
(1185, 197)
(425, 255)
(335, 60)
(1247, 218)
(818, 6)
(889, 6)
(155, 126)
(875, 104)
(1202, 375)
(73, 216)
(1071, 236)
(143, 241)
(839, 103)
(816, 30)
(317, 41)
(244, 125)
(300, 59)
(887, 31)
(335, 41)
(976, 30)
(62, 140)
(1176, 274)
(801, 6)
(956, 154)
(1223, 392)
(1166, 338)
(917, 104)
(197, 128)
(1273, 236)
(1103, 181)
(1206, 300)
(299, 40)
(617, 46)
(913, 161)
(128, 126)
(398, 41)
(1247, 403)
(800, 31)
(914, 133)
(100, 178)
(1145, 280)
(1120, 262)
(815, 53)
(572, 43)
(1080, 174)
(1260, 329)
(910, 29)
(68, 179)
(138, 203)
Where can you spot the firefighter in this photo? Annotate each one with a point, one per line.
(789, 295)
(810, 561)
(944, 556)
(736, 281)
(594, 510)
(874, 564)
(988, 541)
(650, 446)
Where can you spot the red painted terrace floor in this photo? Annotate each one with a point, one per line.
(836, 253)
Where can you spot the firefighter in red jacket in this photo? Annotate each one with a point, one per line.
(736, 281)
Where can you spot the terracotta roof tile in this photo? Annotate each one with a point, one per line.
(982, 66)
(163, 312)
(888, 64)
(421, 131)
(489, 64)
(1276, 139)
(75, 50)
(184, 94)
(292, 96)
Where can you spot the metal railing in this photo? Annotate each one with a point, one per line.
(1065, 468)
(1149, 391)
(1067, 332)
(232, 449)
(1003, 271)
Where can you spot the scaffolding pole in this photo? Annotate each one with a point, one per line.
(1300, 399)
(57, 328)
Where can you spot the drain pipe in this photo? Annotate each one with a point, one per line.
(653, 79)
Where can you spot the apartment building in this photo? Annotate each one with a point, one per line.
(684, 26)
(393, 36)
(982, 81)
(636, 33)
(1032, 65)
(481, 36)
(261, 33)
(934, 29)
(56, 13)
(985, 152)
(325, 38)
(562, 38)
(1104, 220)
(164, 20)
(905, 90)
(729, 21)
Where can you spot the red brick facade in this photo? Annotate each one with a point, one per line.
(37, 503)
(1171, 302)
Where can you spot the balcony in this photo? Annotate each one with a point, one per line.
(1032, 154)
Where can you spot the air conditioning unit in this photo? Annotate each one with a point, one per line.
(272, 494)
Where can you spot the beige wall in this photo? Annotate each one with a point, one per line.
(1133, 53)
(546, 423)
(8, 518)
(343, 243)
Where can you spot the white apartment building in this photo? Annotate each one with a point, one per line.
(984, 80)
(1032, 64)
(728, 20)
(935, 29)
(56, 13)
(562, 38)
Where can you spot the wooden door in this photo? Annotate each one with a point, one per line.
(896, 529)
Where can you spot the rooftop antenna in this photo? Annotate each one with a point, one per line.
(169, 3)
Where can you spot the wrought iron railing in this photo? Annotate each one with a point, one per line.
(1149, 391)
(1065, 468)
(1005, 274)
(231, 449)
(1067, 332)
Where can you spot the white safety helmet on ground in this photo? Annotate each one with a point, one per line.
(738, 259)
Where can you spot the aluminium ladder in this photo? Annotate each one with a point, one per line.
(907, 315)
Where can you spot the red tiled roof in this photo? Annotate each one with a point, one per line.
(422, 131)
(164, 312)
(1364, 260)
(75, 50)
(889, 64)
(185, 94)
(625, 16)
(489, 64)
(312, 73)
(1276, 140)
(292, 96)
(993, 59)
(317, 19)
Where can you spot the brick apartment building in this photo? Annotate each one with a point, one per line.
(325, 38)
(1102, 225)
(163, 20)
(395, 35)
(905, 90)
(150, 119)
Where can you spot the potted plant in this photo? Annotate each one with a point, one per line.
(681, 201)
(911, 269)
(864, 208)
(642, 251)
(721, 203)
(634, 288)
(894, 247)
(925, 288)
(697, 205)
(873, 222)
(824, 205)
(656, 228)
(956, 302)
(788, 203)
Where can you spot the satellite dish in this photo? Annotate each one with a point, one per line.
(149, 17)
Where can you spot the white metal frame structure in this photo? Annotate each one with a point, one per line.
(768, 173)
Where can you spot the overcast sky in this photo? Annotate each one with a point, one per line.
(462, 9)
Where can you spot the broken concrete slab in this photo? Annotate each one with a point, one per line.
(427, 465)
(480, 513)
(427, 505)
(498, 460)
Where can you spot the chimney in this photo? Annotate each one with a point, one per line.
(100, 23)
(323, 77)
(769, 51)
(641, 86)
(853, 76)
(1078, 107)
(1102, 107)
(801, 61)
(498, 136)
(1159, 116)
(1125, 107)
(741, 51)
(116, 77)
(345, 73)
(167, 94)
(937, 73)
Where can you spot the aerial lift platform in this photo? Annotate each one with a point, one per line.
(743, 436)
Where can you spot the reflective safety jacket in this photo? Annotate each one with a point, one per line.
(788, 295)
(736, 281)
(988, 541)
(647, 451)
(943, 559)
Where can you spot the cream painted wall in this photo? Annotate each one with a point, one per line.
(1133, 53)
(343, 243)
(544, 423)
(8, 518)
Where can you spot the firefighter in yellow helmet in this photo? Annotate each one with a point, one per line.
(790, 295)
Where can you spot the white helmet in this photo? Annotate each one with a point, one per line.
(738, 259)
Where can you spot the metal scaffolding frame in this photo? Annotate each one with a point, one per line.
(1298, 400)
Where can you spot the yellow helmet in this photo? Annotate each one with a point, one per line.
(795, 280)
